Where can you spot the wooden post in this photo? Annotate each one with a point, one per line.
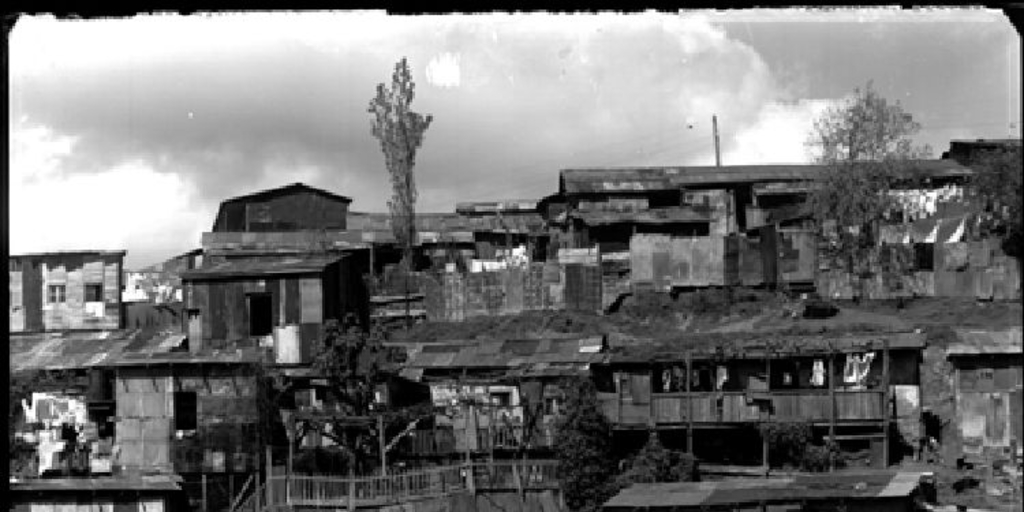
(689, 402)
(651, 422)
(206, 507)
(832, 407)
(291, 455)
(351, 477)
(886, 403)
(270, 475)
(768, 388)
(381, 446)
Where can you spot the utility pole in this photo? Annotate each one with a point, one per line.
(714, 127)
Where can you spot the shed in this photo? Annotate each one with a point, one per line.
(284, 298)
(988, 389)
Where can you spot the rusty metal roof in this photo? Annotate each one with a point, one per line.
(285, 189)
(283, 265)
(81, 350)
(511, 206)
(646, 179)
(546, 353)
(748, 345)
(449, 224)
(670, 215)
(981, 342)
(100, 483)
(745, 491)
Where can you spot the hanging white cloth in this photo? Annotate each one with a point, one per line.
(818, 373)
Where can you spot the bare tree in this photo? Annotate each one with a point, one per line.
(400, 132)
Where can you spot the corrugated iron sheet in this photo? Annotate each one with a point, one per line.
(980, 342)
(640, 179)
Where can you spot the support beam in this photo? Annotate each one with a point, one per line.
(832, 407)
(887, 403)
(689, 403)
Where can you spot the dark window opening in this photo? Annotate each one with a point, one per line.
(94, 292)
(261, 320)
(185, 410)
(56, 293)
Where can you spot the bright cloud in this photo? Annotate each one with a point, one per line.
(443, 70)
(777, 136)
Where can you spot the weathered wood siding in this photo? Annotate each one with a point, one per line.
(31, 276)
(287, 211)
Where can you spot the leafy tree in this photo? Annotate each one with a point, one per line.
(997, 192)
(792, 444)
(583, 447)
(654, 463)
(400, 132)
(865, 145)
(355, 363)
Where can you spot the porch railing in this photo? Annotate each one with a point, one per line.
(733, 407)
(329, 491)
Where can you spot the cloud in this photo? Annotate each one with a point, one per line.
(246, 102)
(777, 136)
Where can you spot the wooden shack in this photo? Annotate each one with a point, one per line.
(842, 384)
(499, 394)
(280, 301)
(194, 415)
(62, 291)
(988, 381)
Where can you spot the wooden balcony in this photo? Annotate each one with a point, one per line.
(733, 407)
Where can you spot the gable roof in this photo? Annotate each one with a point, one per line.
(286, 189)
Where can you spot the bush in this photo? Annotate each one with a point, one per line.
(654, 464)
(792, 444)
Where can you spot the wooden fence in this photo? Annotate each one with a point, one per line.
(283, 491)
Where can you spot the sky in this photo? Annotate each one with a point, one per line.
(127, 133)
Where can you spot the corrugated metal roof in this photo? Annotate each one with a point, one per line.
(980, 342)
(655, 216)
(642, 179)
(285, 264)
(66, 351)
(508, 354)
(286, 189)
(71, 351)
(510, 205)
(853, 485)
(448, 224)
(105, 483)
(761, 344)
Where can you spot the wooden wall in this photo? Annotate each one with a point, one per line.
(306, 301)
(287, 211)
(31, 310)
(225, 438)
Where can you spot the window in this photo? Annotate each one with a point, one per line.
(94, 292)
(56, 293)
(261, 318)
(184, 410)
(501, 398)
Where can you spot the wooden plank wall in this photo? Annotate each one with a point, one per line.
(17, 307)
